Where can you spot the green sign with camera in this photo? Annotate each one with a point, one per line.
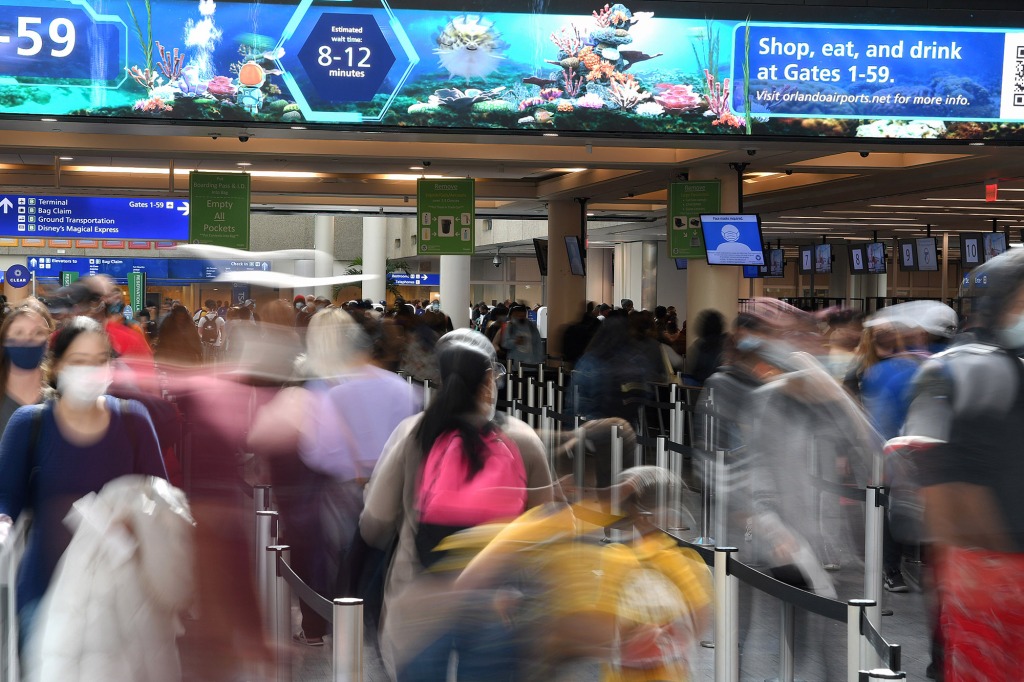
(446, 216)
(686, 202)
(219, 212)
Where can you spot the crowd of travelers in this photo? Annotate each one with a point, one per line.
(128, 444)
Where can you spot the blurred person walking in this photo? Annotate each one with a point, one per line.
(24, 335)
(966, 414)
(53, 454)
(417, 618)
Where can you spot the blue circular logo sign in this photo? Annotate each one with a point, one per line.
(18, 276)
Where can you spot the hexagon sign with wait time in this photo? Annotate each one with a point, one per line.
(335, 56)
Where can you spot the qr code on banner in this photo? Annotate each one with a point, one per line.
(1012, 99)
(1018, 78)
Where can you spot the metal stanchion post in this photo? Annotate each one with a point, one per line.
(579, 460)
(708, 469)
(720, 496)
(873, 528)
(260, 502)
(787, 667)
(853, 638)
(661, 459)
(727, 653)
(347, 633)
(265, 537)
(280, 622)
(530, 402)
(616, 494)
(426, 393)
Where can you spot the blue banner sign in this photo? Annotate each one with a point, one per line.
(872, 72)
(177, 269)
(416, 279)
(635, 68)
(81, 217)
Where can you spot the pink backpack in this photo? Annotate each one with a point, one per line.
(450, 501)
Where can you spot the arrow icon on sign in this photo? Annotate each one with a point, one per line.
(183, 208)
(7, 205)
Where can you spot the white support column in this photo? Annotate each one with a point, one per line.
(714, 286)
(375, 249)
(649, 277)
(323, 242)
(455, 289)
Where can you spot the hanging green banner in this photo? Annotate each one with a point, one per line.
(446, 216)
(219, 209)
(137, 291)
(67, 277)
(686, 202)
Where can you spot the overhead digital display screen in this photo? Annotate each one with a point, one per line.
(927, 258)
(611, 69)
(995, 244)
(858, 264)
(776, 263)
(971, 249)
(806, 260)
(875, 253)
(823, 259)
(732, 239)
(908, 256)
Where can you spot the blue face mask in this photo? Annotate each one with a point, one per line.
(25, 357)
(115, 308)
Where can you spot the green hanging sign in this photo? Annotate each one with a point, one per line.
(137, 291)
(219, 209)
(686, 202)
(446, 216)
(67, 277)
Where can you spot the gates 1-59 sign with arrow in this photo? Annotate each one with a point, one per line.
(82, 217)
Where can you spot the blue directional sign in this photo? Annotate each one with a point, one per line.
(75, 217)
(18, 275)
(416, 279)
(184, 269)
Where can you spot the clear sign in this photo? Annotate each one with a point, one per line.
(18, 276)
(687, 201)
(220, 209)
(65, 217)
(446, 216)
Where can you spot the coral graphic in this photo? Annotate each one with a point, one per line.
(677, 97)
(717, 98)
(170, 62)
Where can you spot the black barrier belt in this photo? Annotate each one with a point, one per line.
(535, 411)
(323, 607)
(887, 652)
(246, 488)
(672, 446)
(706, 553)
(882, 498)
(823, 606)
(856, 494)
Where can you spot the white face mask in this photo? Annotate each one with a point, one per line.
(82, 385)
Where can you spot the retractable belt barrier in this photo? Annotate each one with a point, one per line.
(277, 582)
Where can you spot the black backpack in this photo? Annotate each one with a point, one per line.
(208, 329)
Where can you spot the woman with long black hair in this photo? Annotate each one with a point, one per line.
(416, 612)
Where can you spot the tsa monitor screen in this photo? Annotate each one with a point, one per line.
(823, 259)
(995, 244)
(577, 266)
(927, 258)
(540, 248)
(776, 263)
(858, 264)
(806, 260)
(875, 253)
(971, 249)
(908, 256)
(752, 272)
(732, 239)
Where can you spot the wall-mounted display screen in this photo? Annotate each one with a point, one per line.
(540, 249)
(971, 251)
(577, 265)
(680, 263)
(858, 261)
(994, 244)
(776, 263)
(823, 259)
(732, 239)
(907, 255)
(927, 258)
(753, 271)
(607, 70)
(875, 257)
(806, 264)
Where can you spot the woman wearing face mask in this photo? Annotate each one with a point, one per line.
(57, 452)
(24, 334)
